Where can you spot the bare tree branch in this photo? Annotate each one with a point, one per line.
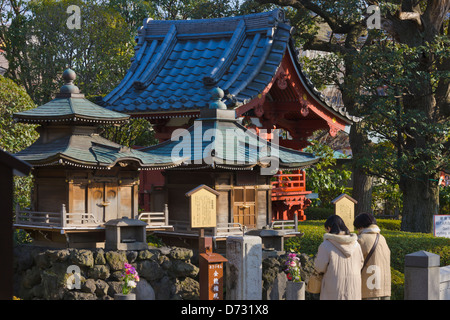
(326, 46)
(414, 16)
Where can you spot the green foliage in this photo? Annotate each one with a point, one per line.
(154, 241)
(397, 285)
(133, 11)
(137, 132)
(403, 243)
(16, 136)
(39, 46)
(444, 200)
(324, 178)
(389, 224)
(195, 9)
(389, 195)
(22, 237)
(412, 132)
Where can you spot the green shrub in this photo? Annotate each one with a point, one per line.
(397, 285)
(154, 241)
(389, 224)
(402, 243)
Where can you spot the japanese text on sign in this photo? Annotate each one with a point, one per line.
(442, 226)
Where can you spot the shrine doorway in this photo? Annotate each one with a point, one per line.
(244, 206)
(103, 201)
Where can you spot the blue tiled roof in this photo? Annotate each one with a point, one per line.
(176, 61)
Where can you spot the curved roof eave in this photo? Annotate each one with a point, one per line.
(315, 93)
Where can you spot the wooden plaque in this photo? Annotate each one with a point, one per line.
(203, 207)
(344, 206)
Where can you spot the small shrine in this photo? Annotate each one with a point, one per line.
(81, 180)
(230, 159)
(254, 60)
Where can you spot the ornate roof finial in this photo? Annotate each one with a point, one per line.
(216, 99)
(69, 76)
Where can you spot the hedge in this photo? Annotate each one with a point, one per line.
(389, 224)
(400, 243)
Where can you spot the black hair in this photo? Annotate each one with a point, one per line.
(336, 224)
(364, 220)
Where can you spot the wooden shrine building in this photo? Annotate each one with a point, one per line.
(252, 58)
(81, 180)
(233, 161)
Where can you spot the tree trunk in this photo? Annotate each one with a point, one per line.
(420, 203)
(362, 183)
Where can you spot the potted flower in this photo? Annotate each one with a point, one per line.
(295, 287)
(130, 279)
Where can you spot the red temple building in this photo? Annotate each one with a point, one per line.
(252, 58)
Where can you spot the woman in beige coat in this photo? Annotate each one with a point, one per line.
(376, 275)
(340, 259)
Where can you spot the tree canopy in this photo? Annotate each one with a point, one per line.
(396, 78)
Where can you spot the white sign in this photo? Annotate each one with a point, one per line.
(442, 226)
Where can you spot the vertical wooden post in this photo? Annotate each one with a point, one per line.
(64, 216)
(6, 232)
(166, 214)
(9, 165)
(17, 213)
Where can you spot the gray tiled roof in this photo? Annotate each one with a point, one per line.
(70, 109)
(70, 106)
(177, 62)
(217, 139)
(87, 150)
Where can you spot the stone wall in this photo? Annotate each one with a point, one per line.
(165, 273)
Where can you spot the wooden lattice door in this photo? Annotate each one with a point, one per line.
(244, 206)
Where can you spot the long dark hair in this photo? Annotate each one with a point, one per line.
(364, 220)
(336, 224)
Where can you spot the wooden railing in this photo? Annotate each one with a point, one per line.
(229, 229)
(289, 183)
(61, 219)
(222, 229)
(289, 226)
(155, 219)
(37, 218)
(80, 220)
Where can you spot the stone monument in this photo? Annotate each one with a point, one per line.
(244, 268)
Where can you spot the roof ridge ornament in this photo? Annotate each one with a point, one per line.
(216, 99)
(69, 90)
